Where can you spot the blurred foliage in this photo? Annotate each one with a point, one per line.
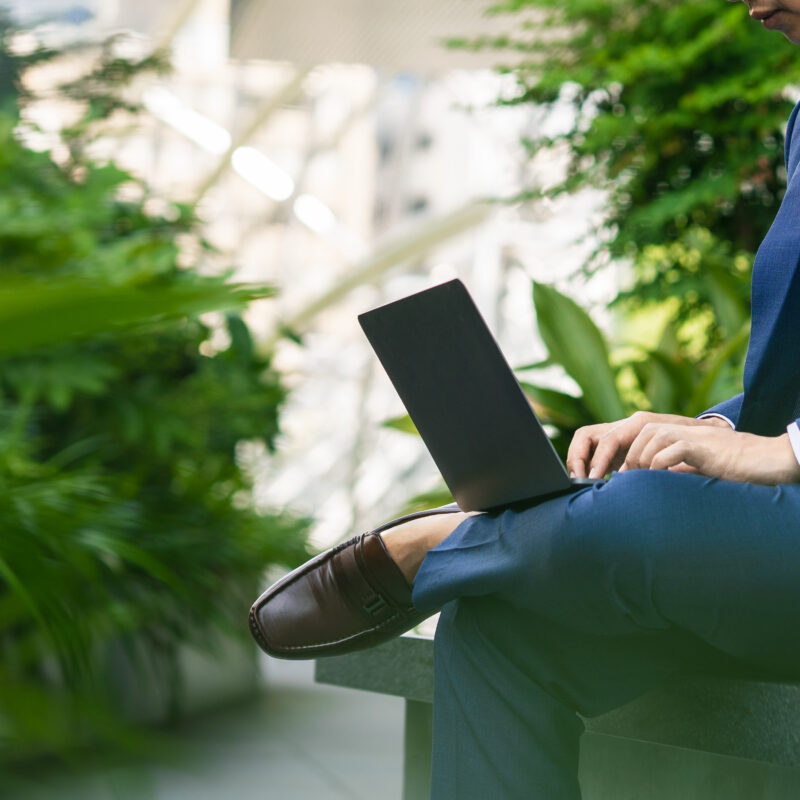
(615, 382)
(127, 516)
(677, 111)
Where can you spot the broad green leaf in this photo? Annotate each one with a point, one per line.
(547, 362)
(440, 496)
(575, 342)
(666, 383)
(729, 307)
(557, 408)
(735, 346)
(34, 313)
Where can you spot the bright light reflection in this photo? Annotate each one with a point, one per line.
(169, 108)
(263, 173)
(313, 213)
(251, 164)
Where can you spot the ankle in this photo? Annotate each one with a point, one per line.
(409, 543)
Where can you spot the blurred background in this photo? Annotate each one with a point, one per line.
(197, 198)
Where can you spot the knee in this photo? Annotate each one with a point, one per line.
(624, 522)
(616, 548)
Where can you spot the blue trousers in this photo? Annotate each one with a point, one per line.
(581, 603)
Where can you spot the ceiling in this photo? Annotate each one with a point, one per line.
(399, 35)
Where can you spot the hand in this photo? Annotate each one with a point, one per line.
(715, 452)
(597, 449)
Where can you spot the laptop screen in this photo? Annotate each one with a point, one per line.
(464, 399)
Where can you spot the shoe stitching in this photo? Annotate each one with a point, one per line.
(256, 631)
(376, 629)
(258, 635)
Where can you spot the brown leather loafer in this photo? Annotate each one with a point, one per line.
(351, 597)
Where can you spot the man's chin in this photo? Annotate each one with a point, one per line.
(793, 35)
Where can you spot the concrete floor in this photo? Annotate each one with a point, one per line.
(296, 741)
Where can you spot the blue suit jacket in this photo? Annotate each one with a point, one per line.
(771, 396)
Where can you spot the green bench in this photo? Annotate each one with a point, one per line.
(693, 738)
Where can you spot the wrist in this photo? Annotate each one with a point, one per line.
(717, 422)
(788, 459)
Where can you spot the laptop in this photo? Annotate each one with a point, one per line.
(465, 401)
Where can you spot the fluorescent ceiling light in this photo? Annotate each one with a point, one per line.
(314, 214)
(169, 108)
(251, 164)
(263, 173)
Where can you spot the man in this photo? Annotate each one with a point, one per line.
(687, 558)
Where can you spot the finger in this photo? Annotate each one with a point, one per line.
(684, 467)
(580, 451)
(686, 456)
(607, 452)
(633, 459)
(617, 461)
(612, 447)
(673, 456)
(661, 439)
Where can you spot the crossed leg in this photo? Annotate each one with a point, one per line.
(583, 602)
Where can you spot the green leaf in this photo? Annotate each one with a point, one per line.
(125, 502)
(440, 496)
(557, 408)
(729, 307)
(575, 342)
(34, 313)
(666, 383)
(241, 340)
(735, 347)
(543, 364)
(402, 423)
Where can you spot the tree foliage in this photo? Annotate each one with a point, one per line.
(678, 110)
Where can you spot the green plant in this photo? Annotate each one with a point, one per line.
(127, 512)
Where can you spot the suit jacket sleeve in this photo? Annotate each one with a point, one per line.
(787, 142)
(793, 428)
(729, 409)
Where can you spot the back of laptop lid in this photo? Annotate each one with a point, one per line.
(464, 399)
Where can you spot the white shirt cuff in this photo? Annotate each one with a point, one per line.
(794, 439)
(722, 416)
